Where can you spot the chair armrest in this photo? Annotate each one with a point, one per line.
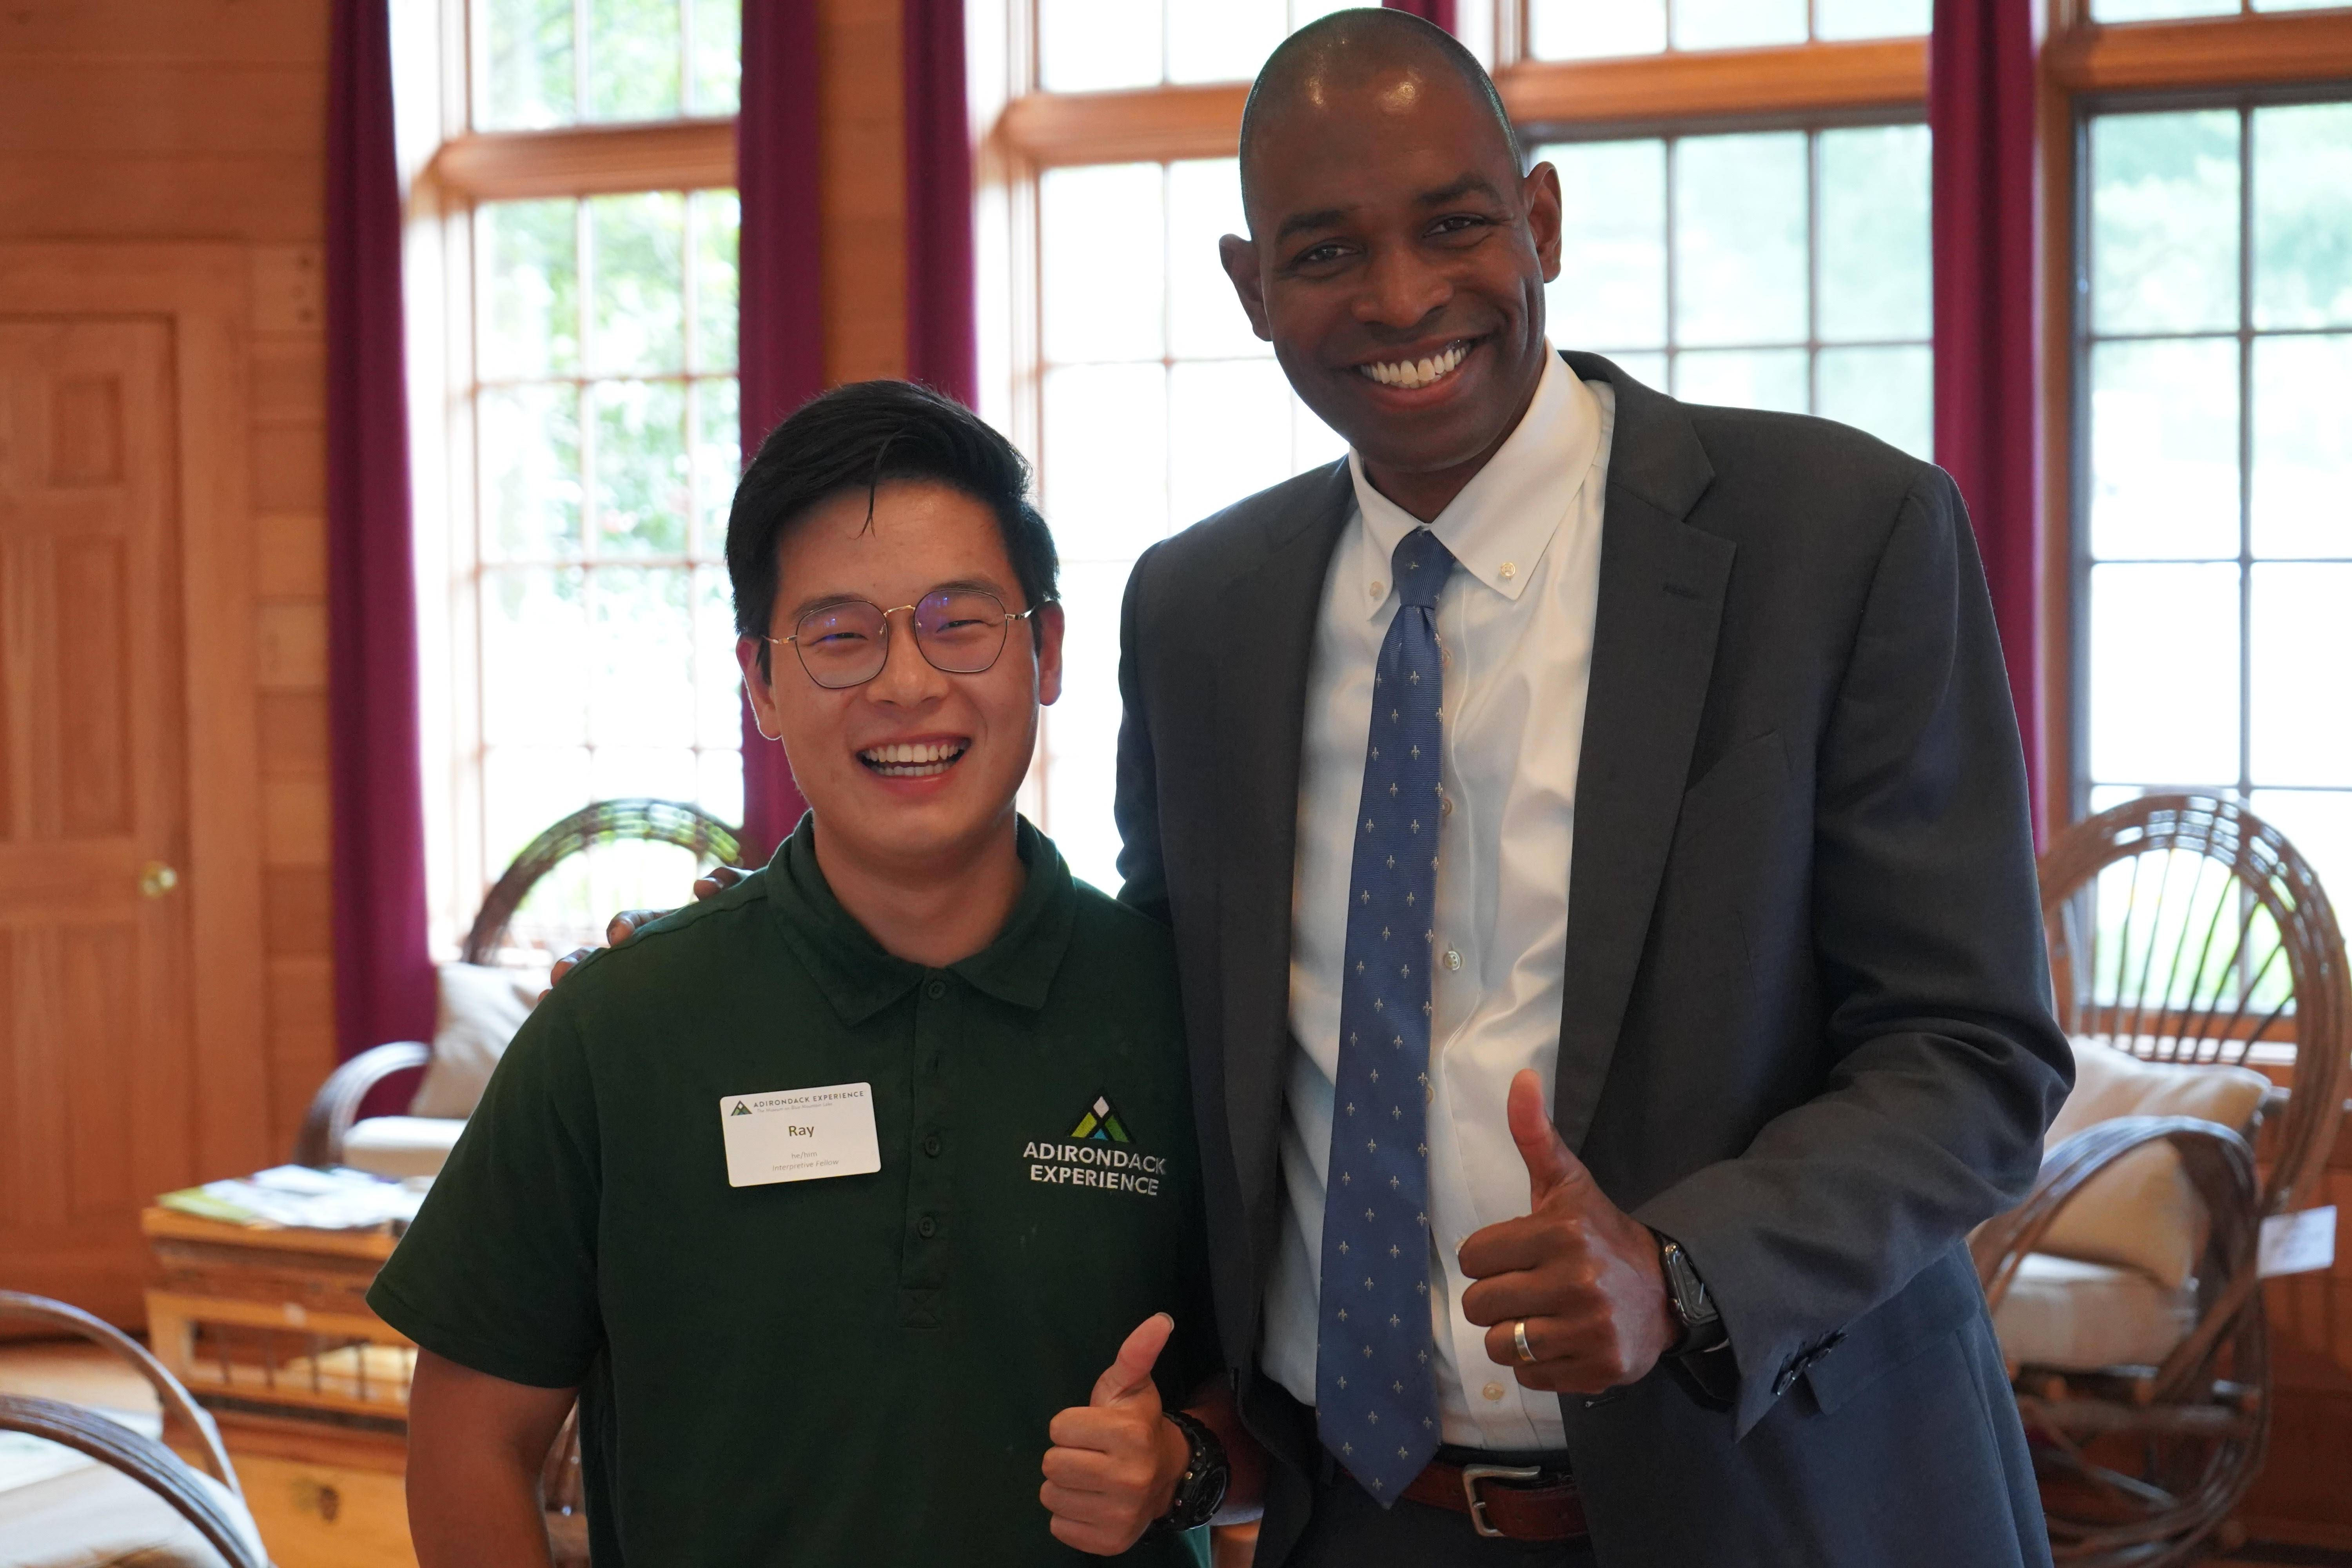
(141, 1459)
(2220, 1164)
(179, 1409)
(337, 1104)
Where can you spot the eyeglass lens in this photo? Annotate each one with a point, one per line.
(960, 632)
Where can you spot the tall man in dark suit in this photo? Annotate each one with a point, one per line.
(1595, 836)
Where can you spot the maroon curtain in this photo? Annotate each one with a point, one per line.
(782, 331)
(942, 344)
(383, 973)
(1980, 111)
(1438, 11)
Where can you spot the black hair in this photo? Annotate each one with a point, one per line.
(1363, 39)
(861, 437)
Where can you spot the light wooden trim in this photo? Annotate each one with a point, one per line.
(584, 160)
(202, 288)
(2260, 49)
(1057, 128)
(1544, 95)
(1051, 128)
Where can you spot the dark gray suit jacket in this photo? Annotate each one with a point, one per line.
(1807, 1028)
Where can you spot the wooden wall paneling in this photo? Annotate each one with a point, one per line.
(289, 555)
(195, 32)
(864, 148)
(200, 119)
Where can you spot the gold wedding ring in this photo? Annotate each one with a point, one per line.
(1519, 1341)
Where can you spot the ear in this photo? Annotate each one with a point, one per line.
(1240, 258)
(760, 687)
(1051, 624)
(1541, 192)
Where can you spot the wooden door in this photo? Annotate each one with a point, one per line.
(98, 1080)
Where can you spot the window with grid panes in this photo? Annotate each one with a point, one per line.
(2215, 545)
(1593, 29)
(601, 387)
(1156, 404)
(1784, 269)
(1090, 45)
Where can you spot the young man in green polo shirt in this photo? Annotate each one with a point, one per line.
(833, 1197)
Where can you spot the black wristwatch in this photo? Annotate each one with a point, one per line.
(1201, 1490)
(1702, 1322)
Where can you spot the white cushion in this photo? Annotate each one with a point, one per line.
(402, 1146)
(2141, 1211)
(98, 1516)
(2081, 1317)
(480, 1010)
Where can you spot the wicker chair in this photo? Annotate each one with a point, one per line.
(156, 1505)
(336, 1106)
(2183, 930)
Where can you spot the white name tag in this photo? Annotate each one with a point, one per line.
(800, 1135)
(2297, 1242)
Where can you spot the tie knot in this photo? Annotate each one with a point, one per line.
(1421, 563)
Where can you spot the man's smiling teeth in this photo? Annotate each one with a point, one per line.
(1411, 373)
(912, 760)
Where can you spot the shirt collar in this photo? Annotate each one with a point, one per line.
(860, 979)
(1504, 519)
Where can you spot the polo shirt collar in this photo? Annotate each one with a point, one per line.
(1500, 525)
(860, 979)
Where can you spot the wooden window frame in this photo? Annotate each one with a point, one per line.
(2083, 66)
(2087, 68)
(1025, 131)
(466, 169)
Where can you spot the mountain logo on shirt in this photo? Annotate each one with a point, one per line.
(1101, 1123)
(740, 1109)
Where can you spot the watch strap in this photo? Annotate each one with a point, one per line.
(1201, 1490)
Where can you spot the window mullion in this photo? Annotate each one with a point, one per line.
(2245, 452)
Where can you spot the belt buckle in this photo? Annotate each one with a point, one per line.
(1473, 1474)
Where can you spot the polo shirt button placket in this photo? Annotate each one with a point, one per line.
(923, 1272)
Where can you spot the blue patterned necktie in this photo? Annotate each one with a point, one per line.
(1375, 1388)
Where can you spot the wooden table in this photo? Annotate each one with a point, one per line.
(269, 1329)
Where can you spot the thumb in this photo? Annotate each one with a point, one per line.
(1129, 1375)
(1551, 1166)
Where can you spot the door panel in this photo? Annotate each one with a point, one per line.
(96, 1110)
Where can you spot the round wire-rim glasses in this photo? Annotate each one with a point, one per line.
(958, 631)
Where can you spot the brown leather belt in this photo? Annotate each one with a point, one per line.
(1504, 1499)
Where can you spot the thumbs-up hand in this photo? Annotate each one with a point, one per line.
(1116, 1460)
(1580, 1273)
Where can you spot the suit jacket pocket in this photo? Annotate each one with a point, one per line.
(1939, 1299)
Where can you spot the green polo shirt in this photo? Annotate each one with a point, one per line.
(857, 1369)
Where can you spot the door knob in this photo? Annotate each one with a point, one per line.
(157, 879)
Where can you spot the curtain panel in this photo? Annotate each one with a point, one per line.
(383, 972)
(781, 353)
(1981, 114)
(943, 344)
(1438, 11)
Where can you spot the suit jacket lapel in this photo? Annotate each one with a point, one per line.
(1661, 602)
(1267, 617)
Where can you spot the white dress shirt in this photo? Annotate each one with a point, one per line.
(1516, 620)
